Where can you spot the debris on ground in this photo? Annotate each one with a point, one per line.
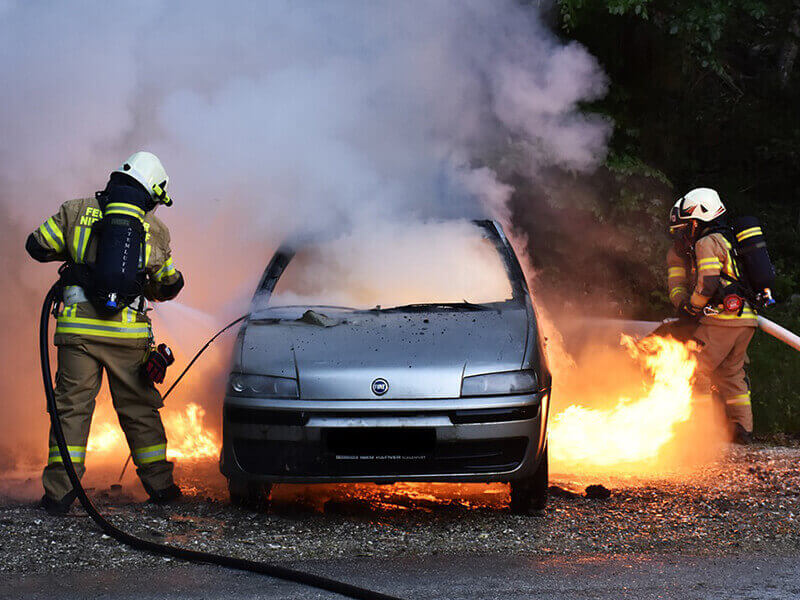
(597, 491)
(556, 491)
(748, 502)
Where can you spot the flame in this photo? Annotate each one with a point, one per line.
(187, 438)
(630, 434)
(628, 411)
(105, 438)
(401, 496)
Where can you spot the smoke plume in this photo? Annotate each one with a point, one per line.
(270, 118)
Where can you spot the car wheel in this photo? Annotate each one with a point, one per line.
(249, 494)
(530, 493)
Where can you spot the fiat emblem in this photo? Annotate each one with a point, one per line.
(380, 386)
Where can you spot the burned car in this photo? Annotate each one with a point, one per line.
(394, 356)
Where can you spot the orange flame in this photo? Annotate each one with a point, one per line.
(106, 437)
(187, 437)
(630, 434)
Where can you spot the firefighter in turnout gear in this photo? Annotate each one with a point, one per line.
(702, 278)
(115, 335)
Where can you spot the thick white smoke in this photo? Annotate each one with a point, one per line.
(272, 117)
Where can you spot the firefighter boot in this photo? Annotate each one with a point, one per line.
(57, 508)
(165, 496)
(741, 436)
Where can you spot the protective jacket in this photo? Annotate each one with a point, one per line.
(696, 278)
(67, 236)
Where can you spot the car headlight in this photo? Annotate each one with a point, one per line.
(241, 384)
(498, 384)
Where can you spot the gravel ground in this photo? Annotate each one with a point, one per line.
(747, 503)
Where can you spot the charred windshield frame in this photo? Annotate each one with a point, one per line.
(519, 293)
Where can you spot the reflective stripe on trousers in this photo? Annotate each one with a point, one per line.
(76, 453)
(149, 454)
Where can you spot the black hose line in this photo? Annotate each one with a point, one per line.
(185, 370)
(51, 300)
(196, 356)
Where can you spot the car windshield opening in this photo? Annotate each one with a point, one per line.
(452, 266)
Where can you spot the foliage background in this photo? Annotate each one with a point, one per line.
(701, 94)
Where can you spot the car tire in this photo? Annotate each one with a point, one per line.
(249, 494)
(530, 493)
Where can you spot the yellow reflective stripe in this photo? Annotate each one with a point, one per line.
(747, 313)
(748, 233)
(52, 234)
(121, 208)
(149, 454)
(740, 400)
(730, 265)
(80, 241)
(146, 449)
(68, 323)
(76, 453)
(145, 260)
(73, 249)
(709, 262)
(676, 291)
(102, 323)
(122, 334)
(161, 194)
(128, 315)
(676, 272)
(166, 270)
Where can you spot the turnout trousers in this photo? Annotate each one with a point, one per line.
(135, 399)
(721, 367)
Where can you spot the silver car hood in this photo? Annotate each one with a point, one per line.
(420, 355)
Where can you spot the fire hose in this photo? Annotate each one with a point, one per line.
(778, 332)
(52, 299)
(645, 328)
(769, 327)
(185, 370)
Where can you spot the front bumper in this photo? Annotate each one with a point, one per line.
(464, 439)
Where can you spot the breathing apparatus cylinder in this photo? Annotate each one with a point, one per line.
(751, 250)
(116, 279)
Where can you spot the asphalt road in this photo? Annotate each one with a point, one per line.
(617, 576)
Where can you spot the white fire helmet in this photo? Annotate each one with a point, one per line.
(701, 204)
(145, 168)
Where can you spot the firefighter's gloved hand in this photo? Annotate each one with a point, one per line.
(687, 311)
(157, 362)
